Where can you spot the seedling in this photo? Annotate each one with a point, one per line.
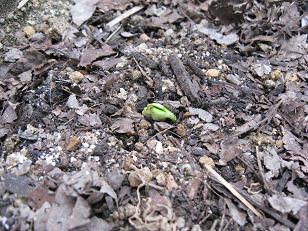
(158, 112)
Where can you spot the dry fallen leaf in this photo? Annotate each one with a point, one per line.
(215, 34)
(229, 149)
(238, 216)
(82, 10)
(123, 125)
(72, 102)
(91, 54)
(202, 114)
(286, 204)
(9, 115)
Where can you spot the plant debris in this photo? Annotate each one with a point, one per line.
(153, 115)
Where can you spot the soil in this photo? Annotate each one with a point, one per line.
(78, 151)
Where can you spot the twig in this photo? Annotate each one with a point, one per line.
(261, 169)
(22, 3)
(222, 221)
(213, 227)
(150, 81)
(123, 16)
(183, 78)
(268, 117)
(113, 33)
(227, 225)
(232, 189)
(161, 132)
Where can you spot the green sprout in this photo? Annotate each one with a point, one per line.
(158, 112)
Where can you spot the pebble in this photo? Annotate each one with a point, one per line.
(187, 169)
(196, 228)
(204, 160)
(269, 83)
(197, 151)
(139, 176)
(144, 124)
(276, 74)
(159, 148)
(212, 73)
(144, 37)
(180, 130)
(161, 179)
(180, 222)
(29, 31)
(291, 77)
(139, 146)
(76, 76)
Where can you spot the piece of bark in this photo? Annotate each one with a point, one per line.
(195, 69)
(183, 78)
(165, 68)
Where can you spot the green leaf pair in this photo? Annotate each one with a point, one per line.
(158, 112)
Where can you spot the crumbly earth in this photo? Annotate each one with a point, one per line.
(39, 14)
(76, 153)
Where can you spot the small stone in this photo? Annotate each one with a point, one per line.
(144, 124)
(169, 32)
(144, 37)
(279, 143)
(204, 160)
(139, 146)
(151, 144)
(73, 143)
(140, 176)
(180, 130)
(276, 74)
(171, 184)
(212, 72)
(187, 169)
(291, 77)
(196, 228)
(136, 75)
(29, 31)
(269, 83)
(161, 179)
(159, 148)
(128, 164)
(12, 55)
(123, 94)
(180, 222)
(197, 151)
(115, 179)
(38, 37)
(76, 76)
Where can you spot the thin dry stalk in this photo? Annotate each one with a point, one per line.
(123, 16)
(232, 189)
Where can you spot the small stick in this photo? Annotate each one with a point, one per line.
(113, 33)
(261, 169)
(150, 81)
(269, 115)
(22, 3)
(183, 78)
(123, 16)
(161, 132)
(232, 189)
